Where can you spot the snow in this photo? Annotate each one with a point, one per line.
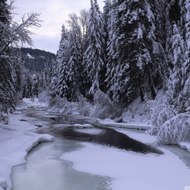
(130, 170)
(137, 111)
(31, 102)
(185, 145)
(129, 125)
(92, 131)
(140, 136)
(16, 140)
(30, 56)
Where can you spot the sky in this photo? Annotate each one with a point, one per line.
(53, 13)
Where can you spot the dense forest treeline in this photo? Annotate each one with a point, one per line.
(36, 66)
(133, 48)
(36, 60)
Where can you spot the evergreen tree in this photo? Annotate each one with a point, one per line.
(187, 36)
(6, 84)
(94, 55)
(35, 86)
(131, 51)
(77, 76)
(63, 56)
(176, 80)
(11, 34)
(185, 94)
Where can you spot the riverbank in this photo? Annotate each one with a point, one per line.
(16, 140)
(127, 169)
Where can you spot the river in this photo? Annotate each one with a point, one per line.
(44, 168)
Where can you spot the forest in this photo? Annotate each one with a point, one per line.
(132, 49)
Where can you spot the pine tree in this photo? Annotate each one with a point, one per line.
(77, 75)
(132, 53)
(35, 86)
(94, 55)
(187, 36)
(185, 94)
(176, 81)
(63, 56)
(6, 84)
(11, 34)
(112, 53)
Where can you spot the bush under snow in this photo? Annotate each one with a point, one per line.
(159, 115)
(175, 130)
(104, 108)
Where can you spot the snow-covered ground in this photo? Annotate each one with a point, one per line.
(185, 145)
(29, 102)
(129, 125)
(130, 170)
(16, 140)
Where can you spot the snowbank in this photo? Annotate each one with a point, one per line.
(16, 140)
(32, 102)
(129, 125)
(131, 170)
(185, 145)
(137, 111)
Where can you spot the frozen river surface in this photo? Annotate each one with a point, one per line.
(87, 163)
(46, 171)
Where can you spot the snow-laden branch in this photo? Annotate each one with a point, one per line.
(18, 32)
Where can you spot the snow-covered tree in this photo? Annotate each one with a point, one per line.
(35, 86)
(94, 55)
(186, 66)
(6, 84)
(11, 34)
(72, 79)
(175, 130)
(132, 52)
(63, 56)
(176, 80)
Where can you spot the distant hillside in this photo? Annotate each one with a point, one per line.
(36, 60)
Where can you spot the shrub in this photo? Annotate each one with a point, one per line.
(159, 115)
(175, 130)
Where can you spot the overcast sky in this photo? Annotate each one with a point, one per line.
(53, 14)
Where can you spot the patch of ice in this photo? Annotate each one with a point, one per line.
(131, 170)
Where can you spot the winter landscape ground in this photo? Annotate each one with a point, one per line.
(126, 169)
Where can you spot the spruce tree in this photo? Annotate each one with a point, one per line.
(94, 55)
(131, 52)
(63, 56)
(6, 84)
(176, 80)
